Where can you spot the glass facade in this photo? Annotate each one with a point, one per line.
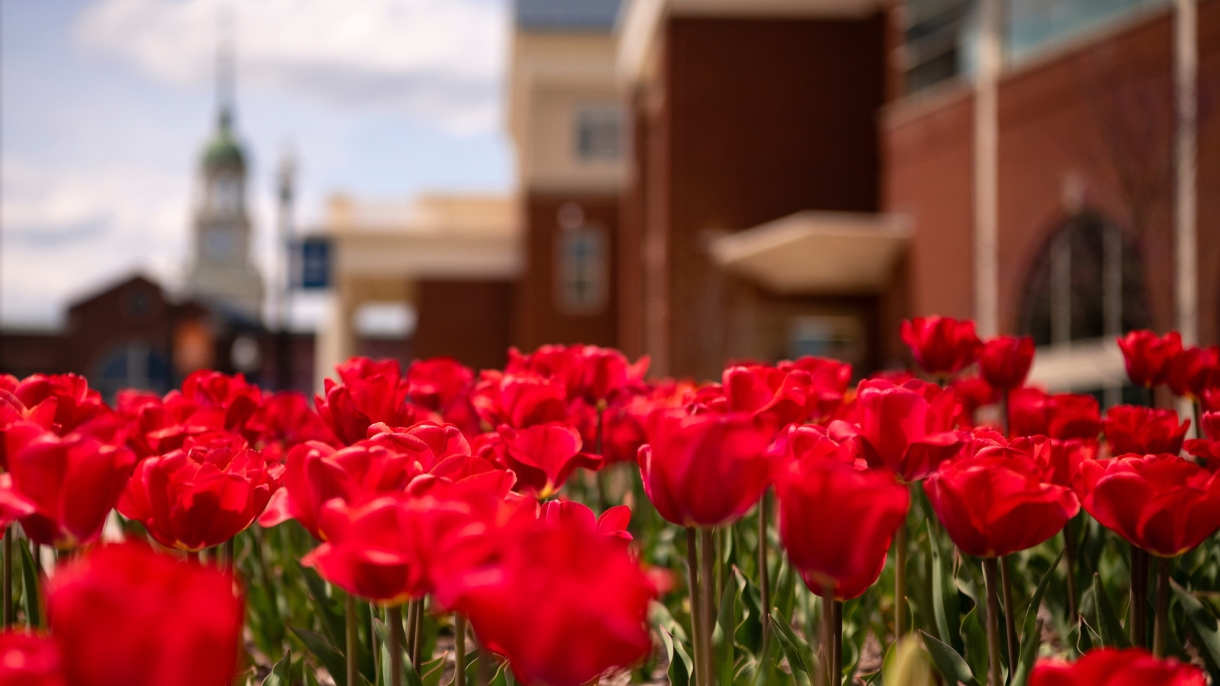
(1033, 24)
(940, 34)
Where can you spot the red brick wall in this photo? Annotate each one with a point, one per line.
(468, 320)
(752, 120)
(540, 320)
(1098, 118)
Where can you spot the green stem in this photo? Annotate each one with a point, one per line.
(839, 637)
(412, 610)
(418, 642)
(1010, 623)
(993, 621)
(459, 650)
(377, 666)
(349, 610)
(486, 663)
(1160, 623)
(1139, 598)
(8, 576)
(394, 617)
(707, 541)
(828, 637)
(764, 580)
(696, 603)
(900, 581)
(230, 555)
(1069, 559)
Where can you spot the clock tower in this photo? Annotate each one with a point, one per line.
(221, 270)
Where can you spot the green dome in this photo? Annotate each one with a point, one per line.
(224, 151)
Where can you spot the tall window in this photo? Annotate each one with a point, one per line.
(582, 287)
(599, 133)
(937, 41)
(1086, 283)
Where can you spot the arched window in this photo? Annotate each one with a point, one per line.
(1084, 288)
(1086, 283)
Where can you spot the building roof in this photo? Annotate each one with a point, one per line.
(566, 15)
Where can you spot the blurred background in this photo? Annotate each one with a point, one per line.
(271, 186)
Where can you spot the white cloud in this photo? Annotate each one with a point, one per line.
(68, 232)
(439, 60)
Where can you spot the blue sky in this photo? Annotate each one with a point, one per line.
(106, 104)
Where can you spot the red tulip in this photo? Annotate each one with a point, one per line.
(369, 392)
(760, 389)
(1058, 461)
(828, 380)
(544, 455)
(1148, 356)
(519, 400)
(443, 385)
(232, 397)
(601, 373)
(199, 497)
(1005, 361)
(1207, 449)
(1191, 371)
(941, 345)
(284, 420)
(29, 660)
(372, 550)
(399, 545)
(612, 523)
(705, 470)
(1062, 416)
(13, 505)
(907, 429)
(73, 482)
(994, 505)
(562, 603)
(125, 615)
(836, 522)
(315, 473)
(68, 396)
(974, 392)
(209, 402)
(1161, 503)
(426, 444)
(1143, 430)
(1114, 667)
(811, 442)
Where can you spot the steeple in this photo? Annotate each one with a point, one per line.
(221, 270)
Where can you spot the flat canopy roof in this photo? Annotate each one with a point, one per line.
(807, 253)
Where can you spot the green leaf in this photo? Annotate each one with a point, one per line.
(974, 636)
(29, 579)
(1204, 626)
(433, 670)
(326, 653)
(722, 636)
(799, 656)
(279, 675)
(951, 665)
(946, 603)
(331, 612)
(1031, 638)
(680, 665)
(1112, 634)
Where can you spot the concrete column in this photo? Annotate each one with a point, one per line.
(1186, 67)
(986, 153)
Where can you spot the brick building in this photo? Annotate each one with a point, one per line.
(802, 178)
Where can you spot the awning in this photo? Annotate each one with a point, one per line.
(810, 252)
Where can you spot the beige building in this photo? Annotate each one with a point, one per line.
(447, 261)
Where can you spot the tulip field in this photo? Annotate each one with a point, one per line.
(570, 520)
